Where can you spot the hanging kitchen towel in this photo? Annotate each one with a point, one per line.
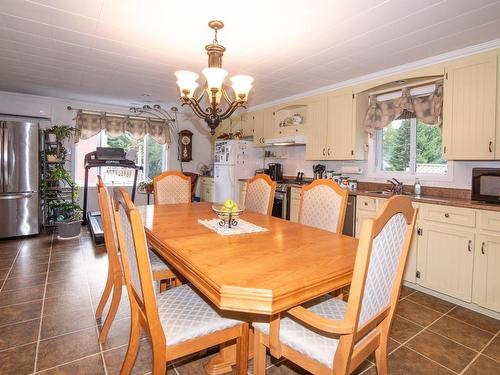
(243, 227)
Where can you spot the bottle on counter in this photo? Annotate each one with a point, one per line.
(417, 188)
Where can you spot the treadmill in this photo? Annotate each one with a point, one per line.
(104, 157)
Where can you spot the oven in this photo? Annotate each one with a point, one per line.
(280, 201)
(486, 184)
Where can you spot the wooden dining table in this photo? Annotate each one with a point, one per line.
(255, 274)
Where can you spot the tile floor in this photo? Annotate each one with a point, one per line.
(49, 290)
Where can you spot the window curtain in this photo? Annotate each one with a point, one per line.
(89, 124)
(427, 109)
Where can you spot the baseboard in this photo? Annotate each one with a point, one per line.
(470, 306)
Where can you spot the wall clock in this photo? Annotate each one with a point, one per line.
(185, 145)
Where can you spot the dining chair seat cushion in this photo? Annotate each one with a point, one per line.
(157, 265)
(303, 339)
(184, 315)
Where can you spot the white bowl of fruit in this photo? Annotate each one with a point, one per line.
(228, 213)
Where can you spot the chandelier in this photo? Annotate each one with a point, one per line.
(213, 114)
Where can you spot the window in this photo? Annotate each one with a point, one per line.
(410, 147)
(150, 154)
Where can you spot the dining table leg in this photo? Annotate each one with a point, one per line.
(226, 358)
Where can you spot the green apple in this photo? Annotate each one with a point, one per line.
(229, 204)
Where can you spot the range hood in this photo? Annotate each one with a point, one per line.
(286, 141)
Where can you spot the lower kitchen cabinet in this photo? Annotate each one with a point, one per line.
(243, 193)
(294, 204)
(446, 259)
(207, 189)
(486, 272)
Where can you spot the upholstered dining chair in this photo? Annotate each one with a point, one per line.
(115, 281)
(179, 322)
(322, 205)
(260, 194)
(330, 336)
(172, 187)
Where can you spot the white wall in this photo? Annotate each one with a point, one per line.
(295, 160)
(56, 110)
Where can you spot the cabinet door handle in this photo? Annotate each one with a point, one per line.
(490, 146)
(328, 151)
(482, 248)
(469, 246)
(447, 215)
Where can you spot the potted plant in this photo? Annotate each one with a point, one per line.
(69, 221)
(60, 133)
(146, 186)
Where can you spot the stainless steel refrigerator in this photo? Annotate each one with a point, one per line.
(19, 171)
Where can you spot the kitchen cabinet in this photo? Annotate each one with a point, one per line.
(445, 259)
(341, 136)
(469, 108)
(243, 124)
(486, 291)
(486, 266)
(207, 189)
(318, 129)
(257, 124)
(243, 193)
(294, 203)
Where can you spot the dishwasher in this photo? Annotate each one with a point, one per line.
(350, 217)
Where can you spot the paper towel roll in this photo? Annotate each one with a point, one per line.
(351, 169)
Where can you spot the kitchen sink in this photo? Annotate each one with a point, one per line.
(387, 192)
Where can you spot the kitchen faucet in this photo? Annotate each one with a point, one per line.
(397, 187)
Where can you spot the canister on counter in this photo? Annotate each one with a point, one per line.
(353, 184)
(336, 177)
(344, 182)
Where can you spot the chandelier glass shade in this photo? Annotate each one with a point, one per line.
(214, 88)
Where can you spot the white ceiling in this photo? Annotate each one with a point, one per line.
(126, 51)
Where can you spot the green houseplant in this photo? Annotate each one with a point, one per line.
(146, 186)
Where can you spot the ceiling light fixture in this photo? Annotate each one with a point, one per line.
(214, 75)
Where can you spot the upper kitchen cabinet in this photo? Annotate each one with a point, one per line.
(469, 108)
(318, 129)
(256, 120)
(342, 136)
(243, 124)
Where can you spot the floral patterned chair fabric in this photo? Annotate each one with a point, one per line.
(323, 205)
(260, 194)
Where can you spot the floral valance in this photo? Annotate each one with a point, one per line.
(427, 109)
(90, 124)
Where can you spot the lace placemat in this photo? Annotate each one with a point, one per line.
(243, 227)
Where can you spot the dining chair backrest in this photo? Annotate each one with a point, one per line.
(135, 257)
(378, 271)
(172, 187)
(108, 221)
(323, 205)
(260, 194)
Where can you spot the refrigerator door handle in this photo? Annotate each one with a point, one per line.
(16, 196)
(5, 156)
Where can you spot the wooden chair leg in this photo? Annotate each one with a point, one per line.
(163, 285)
(113, 308)
(259, 354)
(381, 360)
(133, 343)
(159, 359)
(105, 296)
(242, 351)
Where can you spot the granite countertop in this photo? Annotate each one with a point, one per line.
(442, 196)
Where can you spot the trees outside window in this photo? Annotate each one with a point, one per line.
(411, 147)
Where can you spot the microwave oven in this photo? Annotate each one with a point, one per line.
(486, 184)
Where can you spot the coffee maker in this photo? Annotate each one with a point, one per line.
(275, 171)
